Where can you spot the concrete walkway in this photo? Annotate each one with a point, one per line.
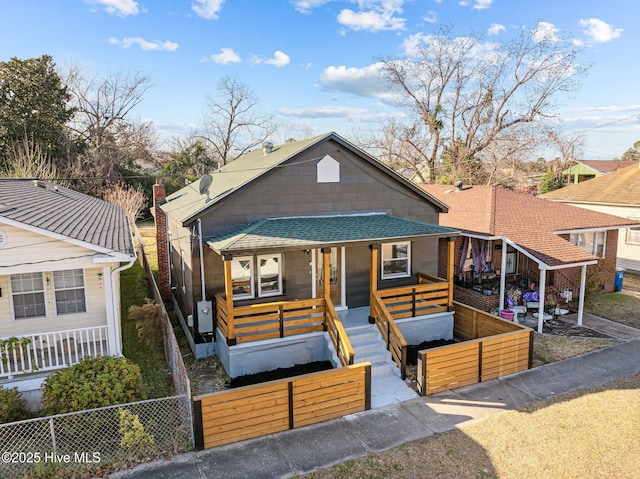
(303, 450)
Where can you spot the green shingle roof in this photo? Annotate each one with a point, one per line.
(317, 231)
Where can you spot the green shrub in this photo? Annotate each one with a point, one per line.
(12, 405)
(92, 383)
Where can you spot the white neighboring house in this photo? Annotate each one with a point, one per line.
(61, 253)
(617, 193)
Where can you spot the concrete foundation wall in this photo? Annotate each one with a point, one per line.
(426, 328)
(260, 356)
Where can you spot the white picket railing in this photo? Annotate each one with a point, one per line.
(30, 353)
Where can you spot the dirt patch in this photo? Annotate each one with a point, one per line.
(560, 327)
(280, 373)
(412, 350)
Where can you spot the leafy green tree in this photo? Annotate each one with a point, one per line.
(33, 104)
(633, 153)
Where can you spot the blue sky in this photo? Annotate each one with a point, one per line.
(312, 62)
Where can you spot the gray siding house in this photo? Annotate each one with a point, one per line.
(247, 248)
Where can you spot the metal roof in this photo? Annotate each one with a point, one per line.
(323, 231)
(97, 224)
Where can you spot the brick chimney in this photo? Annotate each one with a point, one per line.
(164, 285)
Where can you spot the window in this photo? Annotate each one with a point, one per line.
(27, 292)
(242, 277)
(396, 260)
(69, 291)
(268, 281)
(633, 236)
(591, 242)
(269, 272)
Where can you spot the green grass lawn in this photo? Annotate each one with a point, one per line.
(150, 358)
(619, 307)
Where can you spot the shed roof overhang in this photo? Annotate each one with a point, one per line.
(558, 263)
(295, 233)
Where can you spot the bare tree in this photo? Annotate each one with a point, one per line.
(233, 125)
(569, 148)
(27, 159)
(106, 135)
(468, 95)
(131, 200)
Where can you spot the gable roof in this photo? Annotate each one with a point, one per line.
(67, 214)
(529, 222)
(187, 203)
(606, 166)
(316, 231)
(620, 188)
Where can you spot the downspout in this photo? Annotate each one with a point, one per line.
(115, 307)
(201, 259)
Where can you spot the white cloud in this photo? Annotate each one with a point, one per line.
(329, 111)
(118, 7)
(279, 59)
(495, 29)
(155, 45)
(371, 20)
(482, 4)
(226, 55)
(209, 9)
(431, 17)
(545, 31)
(366, 81)
(599, 31)
(305, 6)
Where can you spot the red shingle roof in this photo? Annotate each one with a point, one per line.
(606, 166)
(530, 222)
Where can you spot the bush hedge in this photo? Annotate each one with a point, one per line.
(12, 406)
(92, 383)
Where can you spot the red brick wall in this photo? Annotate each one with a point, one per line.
(475, 298)
(159, 194)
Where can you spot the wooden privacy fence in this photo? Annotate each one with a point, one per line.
(492, 347)
(276, 406)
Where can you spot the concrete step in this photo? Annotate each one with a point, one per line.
(378, 356)
(368, 346)
(389, 389)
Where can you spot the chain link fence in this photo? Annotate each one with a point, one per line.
(96, 440)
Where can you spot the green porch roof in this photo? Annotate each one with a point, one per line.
(323, 231)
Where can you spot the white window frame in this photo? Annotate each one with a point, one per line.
(278, 292)
(579, 239)
(56, 289)
(636, 232)
(44, 296)
(404, 274)
(252, 292)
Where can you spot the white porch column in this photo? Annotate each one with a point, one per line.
(113, 329)
(503, 276)
(583, 280)
(542, 286)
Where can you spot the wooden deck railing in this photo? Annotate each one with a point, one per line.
(284, 318)
(429, 296)
(396, 344)
(29, 353)
(338, 335)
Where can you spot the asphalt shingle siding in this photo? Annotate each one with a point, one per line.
(66, 212)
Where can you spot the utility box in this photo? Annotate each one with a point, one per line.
(205, 317)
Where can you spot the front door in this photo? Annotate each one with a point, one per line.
(335, 274)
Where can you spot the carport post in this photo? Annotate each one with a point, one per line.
(583, 280)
